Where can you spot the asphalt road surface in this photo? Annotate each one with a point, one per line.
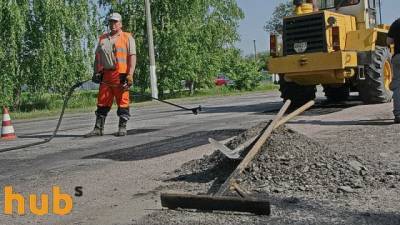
(121, 176)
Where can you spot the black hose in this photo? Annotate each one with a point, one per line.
(66, 99)
(195, 111)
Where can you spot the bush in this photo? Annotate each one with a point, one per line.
(246, 75)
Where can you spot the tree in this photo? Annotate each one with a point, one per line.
(48, 45)
(244, 71)
(12, 45)
(45, 45)
(275, 24)
(262, 60)
(190, 38)
(62, 38)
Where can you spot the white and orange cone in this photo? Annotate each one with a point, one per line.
(7, 130)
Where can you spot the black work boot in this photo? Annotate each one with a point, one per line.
(98, 127)
(122, 127)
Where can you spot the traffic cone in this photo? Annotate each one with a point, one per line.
(7, 130)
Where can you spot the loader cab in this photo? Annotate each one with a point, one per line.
(366, 12)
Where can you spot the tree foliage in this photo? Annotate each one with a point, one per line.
(45, 45)
(12, 58)
(62, 37)
(244, 71)
(191, 38)
(275, 24)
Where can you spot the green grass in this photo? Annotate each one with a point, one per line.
(80, 99)
(221, 91)
(48, 105)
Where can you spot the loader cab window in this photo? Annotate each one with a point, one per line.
(374, 9)
(329, 4)
(372, 4)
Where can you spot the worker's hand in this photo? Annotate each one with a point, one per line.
(129, 79)
(97, 78)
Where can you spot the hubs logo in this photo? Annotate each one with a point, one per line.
(62, 204)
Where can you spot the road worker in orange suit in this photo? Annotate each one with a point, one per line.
(114, 69)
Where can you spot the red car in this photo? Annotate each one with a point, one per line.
(222, 80)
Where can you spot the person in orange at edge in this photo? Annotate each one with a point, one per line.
(114, 67)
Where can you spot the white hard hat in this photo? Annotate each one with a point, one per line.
(115, 16)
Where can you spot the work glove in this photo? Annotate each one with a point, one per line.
(97, 78)
(129, 79)
(126, 82)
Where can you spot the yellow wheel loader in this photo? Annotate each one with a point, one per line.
(340, 46)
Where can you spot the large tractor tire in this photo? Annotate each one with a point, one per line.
(378, 76)
(298, 94)
(337, 93)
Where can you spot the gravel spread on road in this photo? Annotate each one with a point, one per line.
(288, 162)
(306, 181)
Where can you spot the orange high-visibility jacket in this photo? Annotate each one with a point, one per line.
(120, 50)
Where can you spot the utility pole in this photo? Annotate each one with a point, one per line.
(153, 77)
(255, 51)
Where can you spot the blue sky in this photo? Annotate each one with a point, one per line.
(259, 11)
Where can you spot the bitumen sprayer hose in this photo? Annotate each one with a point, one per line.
(66, 99)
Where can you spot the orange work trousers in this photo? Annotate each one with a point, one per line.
(111, 88)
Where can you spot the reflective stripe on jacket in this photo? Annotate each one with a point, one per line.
(120, 50)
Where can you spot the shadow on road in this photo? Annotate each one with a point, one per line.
(129, 132)
(321, 107)
(140, 131)
(377, 122)
(165, 147)
(44, 136)
(260, 107)
(216, 172)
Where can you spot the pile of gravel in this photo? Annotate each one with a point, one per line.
(288, 163)
(217, 161)
(214, 168)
